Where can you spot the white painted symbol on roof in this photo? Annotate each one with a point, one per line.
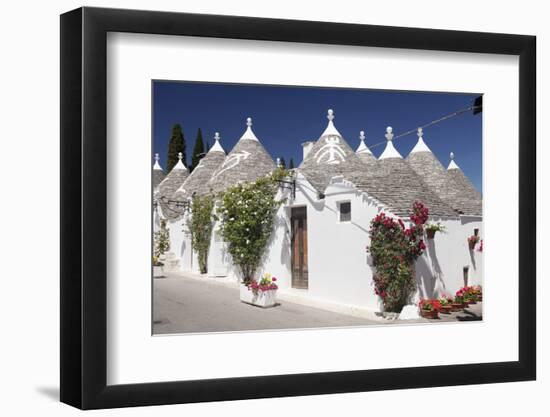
(332, 150)
(233, 160)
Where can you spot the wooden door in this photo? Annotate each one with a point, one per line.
(298, 220)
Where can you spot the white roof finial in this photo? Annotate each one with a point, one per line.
(330, 130)
(179, 164)
(216, 147)
(452, 164)
(389, 134)
(157, 165)
(390, 151)
(362, 148)
(249, 134)
(420, 145)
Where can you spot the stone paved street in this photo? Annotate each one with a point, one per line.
(189, 304)
(186, 305)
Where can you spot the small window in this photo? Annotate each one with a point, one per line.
(345, 211)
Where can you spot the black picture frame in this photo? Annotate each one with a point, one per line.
(84, 207)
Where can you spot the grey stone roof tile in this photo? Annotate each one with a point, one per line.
(393, 182)
(167, 188)
(469, 199)
(246, 162)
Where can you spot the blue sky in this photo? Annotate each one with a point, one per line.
(284, 117)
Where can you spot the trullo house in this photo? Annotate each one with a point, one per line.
(317, 249)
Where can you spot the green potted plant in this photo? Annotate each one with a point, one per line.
(477, 292)
(432, 228)
(429, 309)
(260, 293)
(464, 296)
(446, 304)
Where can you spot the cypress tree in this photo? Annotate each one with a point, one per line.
(283, 162)
(175, 145)
(198, 150)
(291, 163)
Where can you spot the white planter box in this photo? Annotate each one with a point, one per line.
(158, 271)
(262, 299)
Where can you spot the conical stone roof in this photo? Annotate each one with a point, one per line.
(363, 152)
(158, 173)
(468, 198)
(246, 162)
(168, 187)
(196, 182)
(430, 170)
(330, 156)
(395, 184)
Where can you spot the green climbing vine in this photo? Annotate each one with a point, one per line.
(200, 225)
(246, 214)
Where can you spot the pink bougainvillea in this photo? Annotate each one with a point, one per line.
(394, 248)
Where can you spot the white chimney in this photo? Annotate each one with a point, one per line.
(306, 147)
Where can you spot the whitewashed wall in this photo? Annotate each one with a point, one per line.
(439, 270)
(339, 272)
(180, 243)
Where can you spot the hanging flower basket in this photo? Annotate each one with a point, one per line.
(472, 241)
(431, 228)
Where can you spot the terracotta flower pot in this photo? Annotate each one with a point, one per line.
(429, 314)
(456, 306)
(446, 309)
(430, 234)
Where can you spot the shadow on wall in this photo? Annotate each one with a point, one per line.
(182, 249)
(279, 223)
(286, 244)
(473, 258)
(424, 278)
(436, 267)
